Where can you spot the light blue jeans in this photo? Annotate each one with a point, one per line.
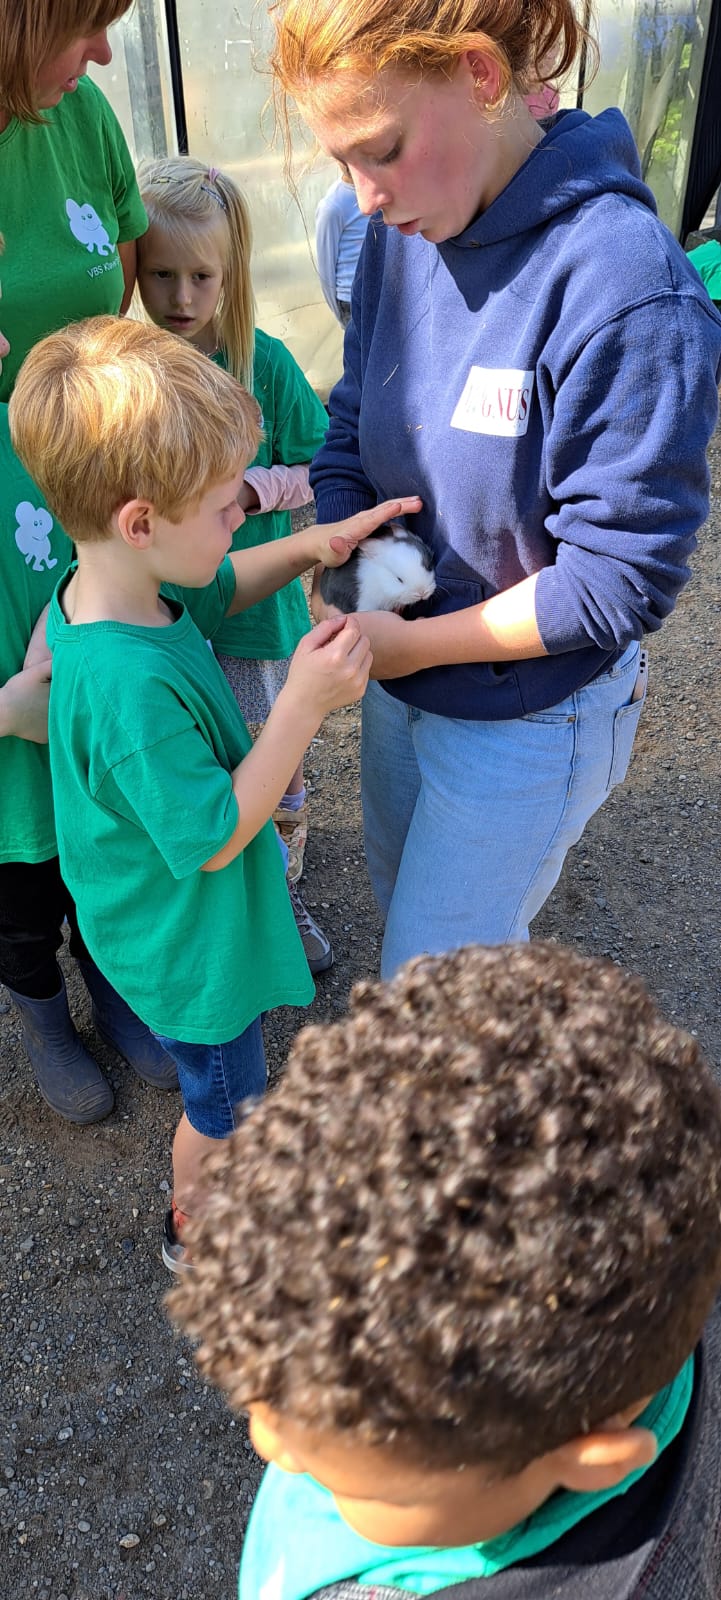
(467, 824)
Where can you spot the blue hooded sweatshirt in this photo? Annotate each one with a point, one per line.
(547, 383)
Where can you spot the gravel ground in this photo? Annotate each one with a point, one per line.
(121, 1477)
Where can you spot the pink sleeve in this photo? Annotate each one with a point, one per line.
(279, 488)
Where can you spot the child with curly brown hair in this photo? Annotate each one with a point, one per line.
(457, 1268)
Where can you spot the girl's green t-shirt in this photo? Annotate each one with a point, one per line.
(295, 424)
(34, 552)
(144, 736)
(69, 196)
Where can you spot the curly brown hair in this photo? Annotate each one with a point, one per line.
(478, 1217)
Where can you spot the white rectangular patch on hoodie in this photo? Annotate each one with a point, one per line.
(495, 400)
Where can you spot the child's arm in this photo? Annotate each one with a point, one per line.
(38, 649)
(330, 668)
(276, 488)
(295, 422)
(24, 703)
(128, 253)
(264, 568)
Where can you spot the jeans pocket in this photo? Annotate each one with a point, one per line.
(553, 717)
(625, 724)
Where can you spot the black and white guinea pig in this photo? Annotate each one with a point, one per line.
(390, 570)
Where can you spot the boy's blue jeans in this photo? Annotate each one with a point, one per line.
(467, 824)
(216, 1079)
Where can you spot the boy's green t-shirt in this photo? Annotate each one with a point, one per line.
(297, 1541)
(144, 735)
(295, 426)
(69, 195)
(34, 551)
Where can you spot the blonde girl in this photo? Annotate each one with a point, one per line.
(194, 279)
(530, 352)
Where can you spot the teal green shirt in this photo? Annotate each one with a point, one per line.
(297, 1541)
(69, 196)
(707, 261)
(144, 736)
(34, 551)
(295, 424)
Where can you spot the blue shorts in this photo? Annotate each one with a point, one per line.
(217, 1080)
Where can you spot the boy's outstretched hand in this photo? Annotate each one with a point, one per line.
(330, 667)
(337, 540)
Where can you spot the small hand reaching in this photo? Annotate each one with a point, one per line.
(330, 667)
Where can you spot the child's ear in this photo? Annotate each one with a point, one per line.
(267, 1441)
(601, 1460)
(135, 519)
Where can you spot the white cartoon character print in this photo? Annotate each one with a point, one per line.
(85, 225)
(32, 535)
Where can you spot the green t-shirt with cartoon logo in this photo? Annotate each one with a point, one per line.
(34, 552)
(69, 196)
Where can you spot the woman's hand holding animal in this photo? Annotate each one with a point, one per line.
(393, 643)
(24, 703)
(330, 668)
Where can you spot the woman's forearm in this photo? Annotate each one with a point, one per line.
(503, 628)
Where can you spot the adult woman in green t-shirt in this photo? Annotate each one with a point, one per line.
(70, 215)
(71, 211)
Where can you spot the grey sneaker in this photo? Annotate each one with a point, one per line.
(318, 949)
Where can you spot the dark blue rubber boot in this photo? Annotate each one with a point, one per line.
(119, 1027)
(67, 1077)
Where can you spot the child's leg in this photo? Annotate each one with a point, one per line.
(189, 1147)
(219, 1083)
(33, 904)
(297, 783)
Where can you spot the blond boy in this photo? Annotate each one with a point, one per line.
(163, 807)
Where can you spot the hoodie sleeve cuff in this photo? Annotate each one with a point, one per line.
(559, 627)
(338, 504)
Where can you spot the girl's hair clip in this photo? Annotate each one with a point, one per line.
(212, 175)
